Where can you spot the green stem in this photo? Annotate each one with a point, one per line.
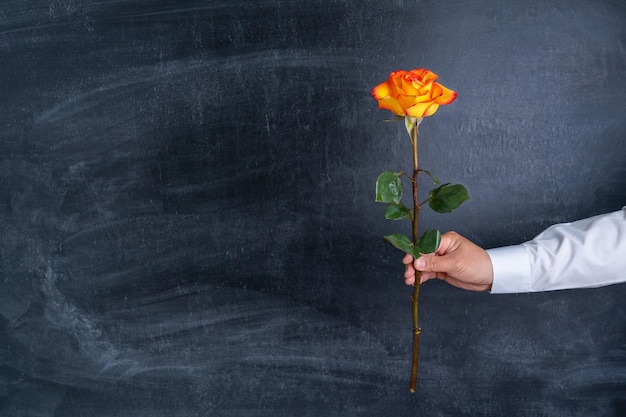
(416, 286)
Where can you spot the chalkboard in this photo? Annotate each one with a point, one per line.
(188, 221)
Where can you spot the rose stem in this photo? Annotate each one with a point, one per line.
(416, 286)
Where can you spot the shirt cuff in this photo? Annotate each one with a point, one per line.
(511, 270)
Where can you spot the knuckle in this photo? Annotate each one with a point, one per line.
(432, 263)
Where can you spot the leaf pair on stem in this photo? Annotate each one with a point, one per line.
(443, 199)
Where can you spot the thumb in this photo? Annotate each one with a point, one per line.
(432, 263)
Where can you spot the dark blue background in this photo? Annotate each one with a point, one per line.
(187, 219)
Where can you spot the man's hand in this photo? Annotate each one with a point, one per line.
(457, 261)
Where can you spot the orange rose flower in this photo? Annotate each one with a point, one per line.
(414, 93)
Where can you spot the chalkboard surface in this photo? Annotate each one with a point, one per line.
(187, 217)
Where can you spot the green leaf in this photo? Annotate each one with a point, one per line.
(446, 197)
(429, 241)
(432, 177)
(395, 119)
(389, 187)
(396, 211)
(403, 243)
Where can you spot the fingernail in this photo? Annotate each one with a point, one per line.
(420, 263)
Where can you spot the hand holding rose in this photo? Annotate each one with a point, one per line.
(457, 261)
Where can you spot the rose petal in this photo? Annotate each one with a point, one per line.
(397, 74)
(382, 90)
(424, 75)
(405, 101)
(426, 93)
(424, 98)
(447, 96)
(395, 79)
(431, 110)
(422, 109)
(391, 104)
(405, 86)
(436, 90)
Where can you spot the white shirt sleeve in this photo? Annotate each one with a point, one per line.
(583, 254)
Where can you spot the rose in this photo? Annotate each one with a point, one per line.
(413, 94)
